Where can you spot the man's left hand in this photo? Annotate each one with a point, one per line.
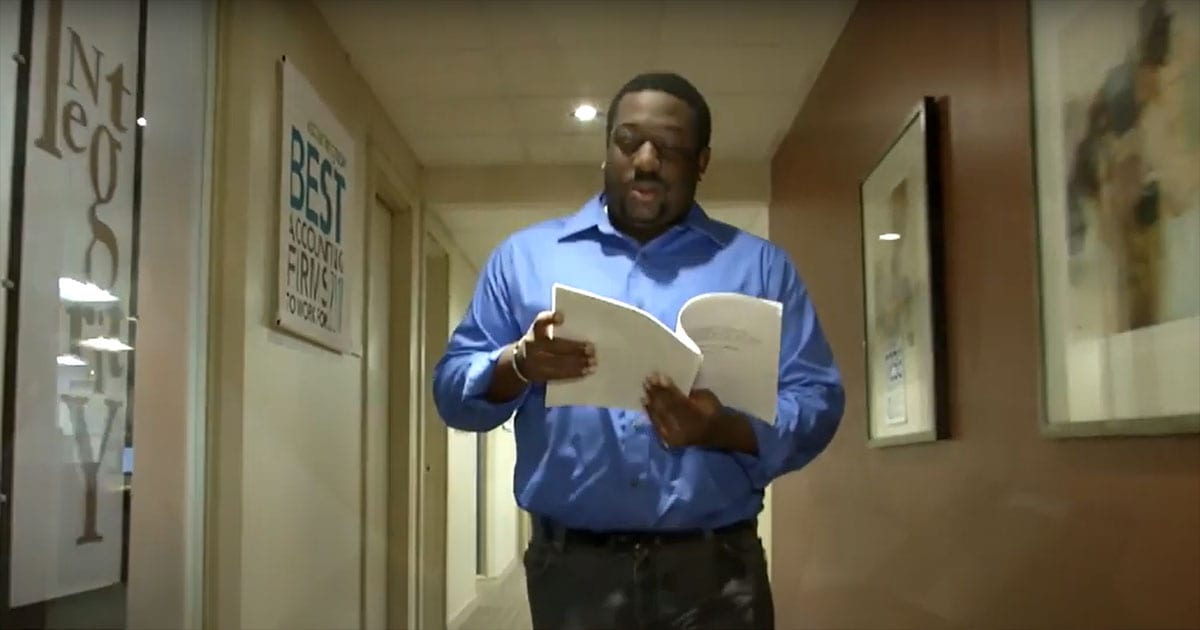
(691, 419)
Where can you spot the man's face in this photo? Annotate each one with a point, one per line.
(653, 163)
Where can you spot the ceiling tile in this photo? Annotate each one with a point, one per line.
(515, 26)
(750, 143)
(566, 149)
(553, 115)
(754, 23)
(431, 75)
(535, 72)
(729, 104)
(573, 73)
(423, 25)
(454, 117)
(466, 150)
(759, 69)
(493, 81)
(605, 70)
(732, 113)
(576, 23)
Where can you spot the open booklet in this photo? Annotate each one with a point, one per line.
(725, 342)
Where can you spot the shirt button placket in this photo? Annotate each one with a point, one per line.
(638, 426)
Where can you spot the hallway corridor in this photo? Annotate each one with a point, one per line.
(315, 314)
(503, 606)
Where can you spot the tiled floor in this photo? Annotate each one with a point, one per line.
(502, 607)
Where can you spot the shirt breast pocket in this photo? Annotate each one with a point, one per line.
(734, 277)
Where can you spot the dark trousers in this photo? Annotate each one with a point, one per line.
(713, 580)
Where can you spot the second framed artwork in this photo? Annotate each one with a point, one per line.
(1116, 139)
(901, 205)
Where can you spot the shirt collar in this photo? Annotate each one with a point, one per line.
(594, 215)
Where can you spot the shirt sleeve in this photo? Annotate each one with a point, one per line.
(463, 376)
(811, 396)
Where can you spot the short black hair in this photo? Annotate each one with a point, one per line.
(676, 86)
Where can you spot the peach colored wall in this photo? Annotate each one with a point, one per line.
(998, 527)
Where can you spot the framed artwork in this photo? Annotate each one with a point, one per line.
(901, 218)
(1116, 136)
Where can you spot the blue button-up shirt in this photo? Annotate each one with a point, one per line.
(605, 469)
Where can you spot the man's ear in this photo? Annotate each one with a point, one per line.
(702, 161)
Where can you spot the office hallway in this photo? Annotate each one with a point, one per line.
(262, 264)
(503, 606)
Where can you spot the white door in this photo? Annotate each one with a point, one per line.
(376, 382)
(435, 331)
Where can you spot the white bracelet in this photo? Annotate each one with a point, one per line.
(519, 351)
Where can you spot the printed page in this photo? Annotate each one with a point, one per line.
(739, 337)
(630, 344)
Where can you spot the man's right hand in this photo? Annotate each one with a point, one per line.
(540, 358)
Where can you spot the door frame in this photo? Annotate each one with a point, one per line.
(425, 484)
(387, 188)
(376, 527)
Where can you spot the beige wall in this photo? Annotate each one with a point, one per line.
(285, 518)
(538, 185)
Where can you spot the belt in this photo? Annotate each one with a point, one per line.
(548, 531)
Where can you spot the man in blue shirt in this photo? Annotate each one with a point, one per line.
(641, 520)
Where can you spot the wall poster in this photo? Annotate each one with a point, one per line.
(78, 252)
(1116, 112)
(318, 181)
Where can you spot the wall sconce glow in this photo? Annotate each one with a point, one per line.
(889, 236)
(585, 113)
(141, 121)
(72, 290)
(105, 344)
(70, 360)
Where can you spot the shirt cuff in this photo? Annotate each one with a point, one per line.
(479, 380)
(760, 468)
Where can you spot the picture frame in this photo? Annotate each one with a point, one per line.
(1115, 91)
(900, 200)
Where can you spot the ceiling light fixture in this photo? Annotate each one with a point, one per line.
(585, 113)
(141, 121)
(105, 344)
(889, 236)
(72, 290)
(71, 360)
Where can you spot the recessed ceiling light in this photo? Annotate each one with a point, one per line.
(889, 236)
(585, 113)
(141, 121)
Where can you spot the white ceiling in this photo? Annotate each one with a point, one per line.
(494, 81)
(478, 230)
